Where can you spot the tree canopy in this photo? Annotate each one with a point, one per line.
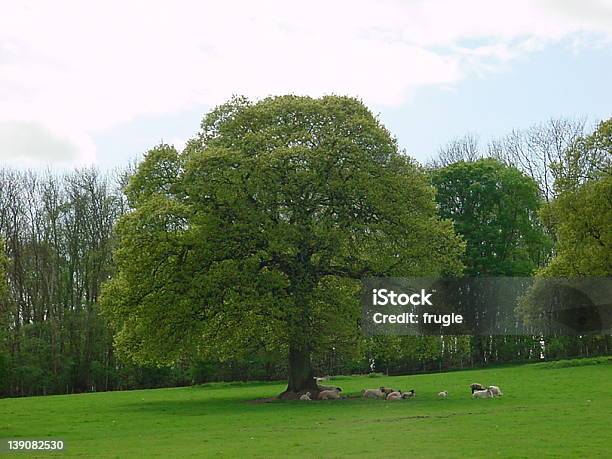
(495, 208)
(259, 231)
(581, 215)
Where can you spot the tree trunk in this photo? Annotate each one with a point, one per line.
(301, 374)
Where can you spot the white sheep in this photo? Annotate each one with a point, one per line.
(373, 393)
(495, 390)
(305, 396)
(443, 394)
(397, 395)
(476, 386)
(482, 394)
(409, 394)
(333, 394)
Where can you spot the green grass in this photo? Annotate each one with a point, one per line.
(545, 412)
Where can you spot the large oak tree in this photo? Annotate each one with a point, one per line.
(260, 230)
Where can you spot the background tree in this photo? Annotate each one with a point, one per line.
(495, 208)
(4, 321)
(537, 149)
(263, 226)
(464, 148)
(581, 219)
(581, 215)
(58, 230)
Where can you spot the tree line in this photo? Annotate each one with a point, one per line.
(208, 264)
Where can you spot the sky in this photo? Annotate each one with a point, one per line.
(100, 83)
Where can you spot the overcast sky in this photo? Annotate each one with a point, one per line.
(84, 83)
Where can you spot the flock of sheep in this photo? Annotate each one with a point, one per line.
(479, 391)
(387, 393)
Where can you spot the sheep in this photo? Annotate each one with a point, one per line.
(443, 394)
(333, 394)
(495, 390)
(305, 396)
(397, 395)
(372, 393)
(482, 394)
(409, 394)
(476, 387)
(327, 388)
(387, 390)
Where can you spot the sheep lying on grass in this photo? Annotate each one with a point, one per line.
(387, 390)
(387, 393)
(333, 394)
(443, 394)
(476, 387)
(305, 396)
(495, 390)
(482, 394)
(373, 393)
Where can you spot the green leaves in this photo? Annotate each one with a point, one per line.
(582, 220)
(494, 207)
(581, 215)
(157, 174)
(261, 229)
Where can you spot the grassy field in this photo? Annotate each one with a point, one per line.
(548, 410)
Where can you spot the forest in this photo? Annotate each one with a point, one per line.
(537, 201)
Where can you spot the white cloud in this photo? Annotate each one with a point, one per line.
(32, 144)
(87, 66)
